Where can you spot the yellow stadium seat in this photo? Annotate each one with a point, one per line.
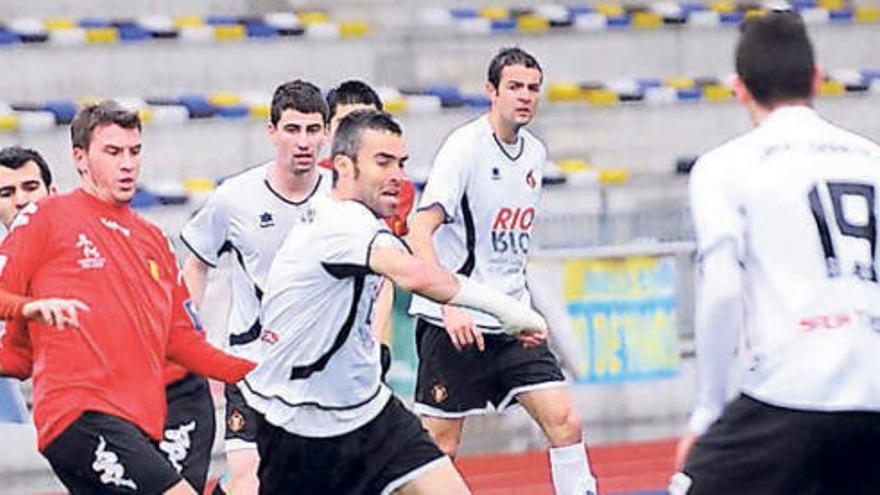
(716, 92)
(832, 88)
(867, 14)
(188, 21)
(563, 92)
(677, 82)
(101, 36)
(831, 4)
(613, 176)
(260, 111)
(647, 20)
(572, 165)
(198, 184)
(146, 115)
(599, 97)
(229, 33)
(722, 6)
(83, 101)
(755, 12)
(532, 24)
(610, 9)
(59, 23)
(9, 123)
(353, 29)
(224, 98)
(494, 13)
(313, 17)
(395, 106)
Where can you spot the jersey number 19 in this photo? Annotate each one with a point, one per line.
(843, 194)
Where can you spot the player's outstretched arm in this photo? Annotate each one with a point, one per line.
(459, 325)
(429, 280)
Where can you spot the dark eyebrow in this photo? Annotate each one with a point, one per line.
(32, 182)
(385, 155)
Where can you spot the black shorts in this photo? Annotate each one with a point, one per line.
(453, 383)
(377, 458)
(757, 448)
(241, 421)
(190, 429)
(100, 453)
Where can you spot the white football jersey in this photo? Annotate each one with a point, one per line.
(490, 193)
(247, 218)
(320, 371)
(796, 199)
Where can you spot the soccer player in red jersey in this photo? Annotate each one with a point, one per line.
(99, 389)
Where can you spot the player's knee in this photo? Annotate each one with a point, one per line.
(566, 429)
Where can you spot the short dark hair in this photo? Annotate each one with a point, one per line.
(99, 114)
(298, 95)
(774, 58)
(510, 56)
(15, 157)
(352, 92)
(347, 140)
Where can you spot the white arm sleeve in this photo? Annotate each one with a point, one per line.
(447, 180)
(720, 243)
(717, 323)
(514, 316)
(207, 231)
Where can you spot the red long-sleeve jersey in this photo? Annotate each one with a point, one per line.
(76, 246)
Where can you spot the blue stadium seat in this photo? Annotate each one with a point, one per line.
(64, 110)
(198, 106)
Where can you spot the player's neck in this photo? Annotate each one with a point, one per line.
(90, 189)
(504, 131)
(759, 113)
(293, 185)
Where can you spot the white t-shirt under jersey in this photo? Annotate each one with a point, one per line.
(248, 219)
(320, 372)
(490, 193)
(791, 208)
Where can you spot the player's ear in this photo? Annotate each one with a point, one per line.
(490, 89)
(818, 77)
(79, 160)
(343, 165)
(741, 91)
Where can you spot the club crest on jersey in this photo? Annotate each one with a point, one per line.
(266, 220)
(91, 257)
(439, 393)
(308, 216)
(153, 268)
(496, 173)
(530, 179)
(235, 422)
